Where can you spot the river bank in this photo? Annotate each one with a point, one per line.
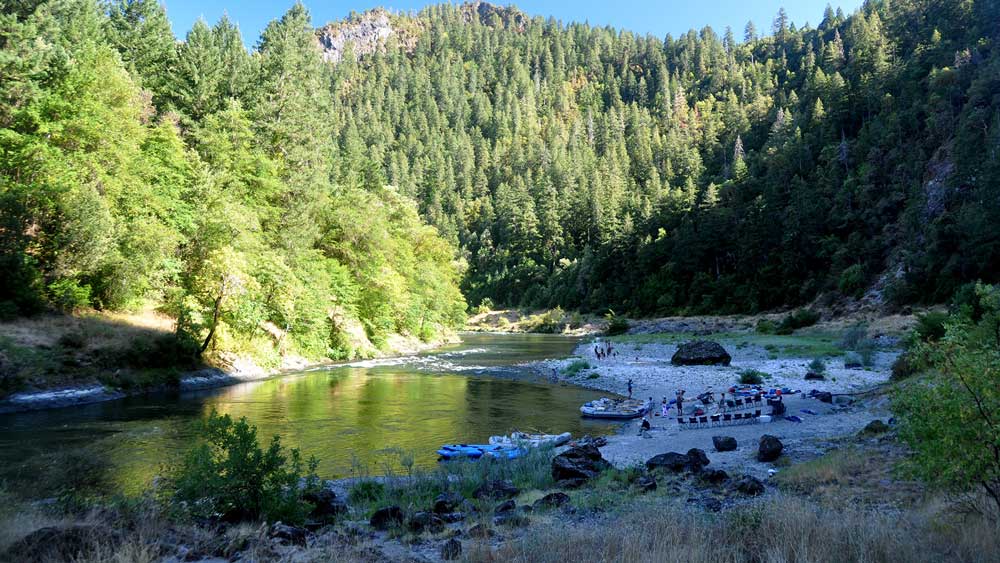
(63, 361)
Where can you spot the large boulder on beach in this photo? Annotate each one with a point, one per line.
(325, 503)
(425, 522)
(769, 449)
(724, 443)
(701, 353)
(576, 465)
(693, 461)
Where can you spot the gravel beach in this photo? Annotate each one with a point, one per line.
(648, 366)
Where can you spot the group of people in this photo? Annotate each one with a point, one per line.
(604, 350)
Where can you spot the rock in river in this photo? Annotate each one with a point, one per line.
(701, 353)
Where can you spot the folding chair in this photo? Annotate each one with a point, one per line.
(680, 423)
(693, 421)
(738, 418)
(703, 421)
(715, 419)
(739, 403)
(726, 418)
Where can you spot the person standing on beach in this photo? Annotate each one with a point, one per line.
(680, 403)
(664, 408)
(630, 388)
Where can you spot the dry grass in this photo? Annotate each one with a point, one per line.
(776, 530)
(97, 330)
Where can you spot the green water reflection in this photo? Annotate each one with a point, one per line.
(350, 416)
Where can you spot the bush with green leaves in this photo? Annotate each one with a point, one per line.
(930, 326)
(817, 366)
(616, 324)
(575, 367)
(766, 326)
(801, 318)
(853, 336)
(852, 281)
(230, 476)
(949, 418)
(752, 377)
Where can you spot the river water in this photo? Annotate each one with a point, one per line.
(358, 418)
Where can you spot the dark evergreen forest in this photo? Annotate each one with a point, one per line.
(516, 160)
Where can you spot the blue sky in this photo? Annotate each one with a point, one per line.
(658, 17)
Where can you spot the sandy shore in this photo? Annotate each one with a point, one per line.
(649, 367)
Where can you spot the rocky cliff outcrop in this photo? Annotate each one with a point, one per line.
(361, 35)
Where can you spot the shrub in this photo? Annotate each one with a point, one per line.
(930, 326)
(853, 337)
(8, 311)
(616, 325)
(68, 295)
(485, 306)
(852, 281)
(752, 377)
(575, 367)
(905, 366)
(72, 340)
(228, 474)
(157, 351)
(867, 349)
(366, 492)
(765, 326)
(796, 320)
(817, 366)
(852, 359)
(550, 322)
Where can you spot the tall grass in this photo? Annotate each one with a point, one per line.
(773, 530)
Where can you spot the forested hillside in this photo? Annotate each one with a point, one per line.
(201, 180)
(718, 171)
(272, 199)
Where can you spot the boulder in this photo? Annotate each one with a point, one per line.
(58, 543)
(701, 353)
(724, 443)
(451, 549)
(506, 506)
(824, 396)
(646, 484)
(750, 486)
(552, 500)
(576, 465)
(693, 461)
(480, 531)
(769, 449)
(698, 459)
(425, 522)
(452, 517)
(325, 503)
(496, 490)
(714, 476)
(813, 376)
(447, 502)
(874, 427)
(670, 461)
(843, 400)
(289, 535)
(385, 518)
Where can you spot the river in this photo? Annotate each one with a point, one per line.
(358, 418)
